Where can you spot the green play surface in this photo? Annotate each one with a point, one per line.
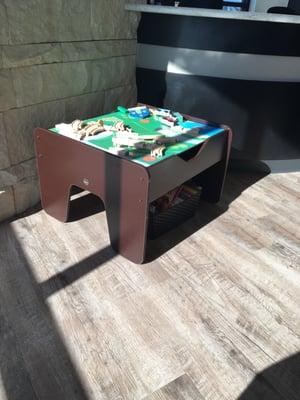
(193, 135)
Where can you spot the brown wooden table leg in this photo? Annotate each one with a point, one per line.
(121, 184)
(213, 178)
(54, 184)
(127, 207)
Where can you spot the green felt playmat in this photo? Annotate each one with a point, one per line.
(195, 133)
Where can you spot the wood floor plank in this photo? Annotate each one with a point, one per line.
(39, 345)
(20, 387)
(94, 309)
(181, 388)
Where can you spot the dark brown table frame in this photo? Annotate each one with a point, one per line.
(125, 187)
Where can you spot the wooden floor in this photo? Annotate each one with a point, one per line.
(215, 316)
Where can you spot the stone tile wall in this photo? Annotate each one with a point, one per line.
(59, 60)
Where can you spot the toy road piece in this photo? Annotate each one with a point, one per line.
(124, 141)
(119, 126)
(77, 125)
(168, 120)
(161, 112)
(146, 144)
(93, 128)
(81, 130)
(158, 151)
(154, 137)
(127, 135)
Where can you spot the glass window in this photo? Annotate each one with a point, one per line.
(236, 5)
(229, 5)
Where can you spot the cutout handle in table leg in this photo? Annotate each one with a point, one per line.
(194, 152)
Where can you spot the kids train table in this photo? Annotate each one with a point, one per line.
(128, 184)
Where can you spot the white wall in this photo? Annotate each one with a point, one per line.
(264, 5)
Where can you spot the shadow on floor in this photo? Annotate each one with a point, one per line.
(239, 178)
(65, 278)
(280, 381)
(34, 360)
(236, 182)
(84, 206)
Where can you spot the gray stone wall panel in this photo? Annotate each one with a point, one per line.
(31, 54)
(7, 203)
(113, 72)
(19, 188)
(21, 173)
(1, 57)
(110, 20)
(7, 179)
(36, 21)
(25, 171)
(75, 20)
(4, 159)
(125, 96)
(20, 124)
(96, 50)
(7, 93)
(33, 21)
(3, 24)
(85, 106)
(26, 195)
(42, 83)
